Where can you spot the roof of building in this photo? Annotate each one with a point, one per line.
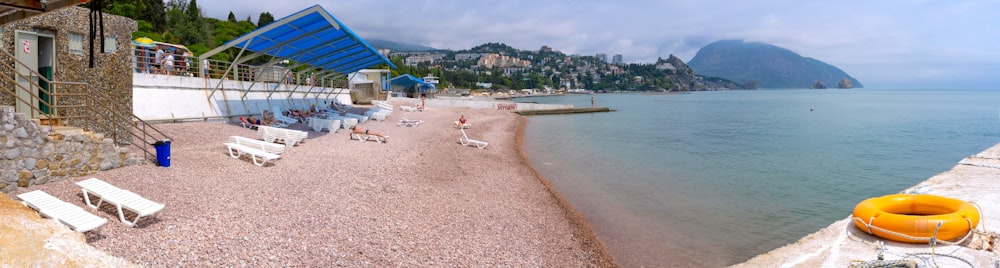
(408, 80)
(13, 10)
(311, 36)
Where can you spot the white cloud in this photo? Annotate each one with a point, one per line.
(910, 36)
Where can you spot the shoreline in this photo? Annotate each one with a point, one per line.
(580, 224)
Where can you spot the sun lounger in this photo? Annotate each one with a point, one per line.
(273, 148)
(289, 137)
(462, 126)
(408, 108)
(247, 124)
(360, 118)
(378, 114)
(383, 105)
(120, 198)
(366, 137)
(237, 150)
(318, 124)
(465, 140)
(281, 119)
(71, 215)
(410, 123)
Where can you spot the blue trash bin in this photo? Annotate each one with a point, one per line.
(162, 153)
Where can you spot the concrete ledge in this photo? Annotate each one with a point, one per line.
(565, 111)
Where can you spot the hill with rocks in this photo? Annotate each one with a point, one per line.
(768, 65)
(683, 78)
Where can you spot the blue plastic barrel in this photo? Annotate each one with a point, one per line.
(162, 153)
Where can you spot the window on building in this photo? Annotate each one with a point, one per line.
(109, 45)
(75, 43)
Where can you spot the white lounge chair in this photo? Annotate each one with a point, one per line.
(280, 118)
(366, 137)
(71, 215)
(254, 153)
(318, 124)
(465, 140)
(462, 126)
(408, 108)
(383, 105)
(273, 148)
(120, 198)
(410, 123)
(289, 137)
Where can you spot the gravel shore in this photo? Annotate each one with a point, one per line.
(421, 199)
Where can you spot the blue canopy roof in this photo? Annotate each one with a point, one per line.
(407, 80)
(311, 36)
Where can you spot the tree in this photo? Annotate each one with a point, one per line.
(195, 32)
(265, 18)
(155, 13)
(232, 17)
(184, 21)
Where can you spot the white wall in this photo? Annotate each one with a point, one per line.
(159, 97)
(163, 97)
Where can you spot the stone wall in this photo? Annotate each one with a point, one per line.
(112, 73)
(30, 156)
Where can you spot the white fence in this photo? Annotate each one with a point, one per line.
(165, 97)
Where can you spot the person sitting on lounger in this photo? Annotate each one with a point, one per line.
(253, 122)
(265, 118)
(366, 131)
(301, 116)
(462, 123)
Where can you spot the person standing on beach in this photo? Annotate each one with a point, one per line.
(423, 98)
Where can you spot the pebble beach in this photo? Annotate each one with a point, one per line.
(420, 199)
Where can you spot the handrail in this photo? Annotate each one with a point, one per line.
(99, 109)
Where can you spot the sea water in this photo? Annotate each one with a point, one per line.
(715, 178)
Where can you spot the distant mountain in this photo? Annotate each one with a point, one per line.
(397, 46)
(770, 66)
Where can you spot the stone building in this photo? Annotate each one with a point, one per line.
(57, 45)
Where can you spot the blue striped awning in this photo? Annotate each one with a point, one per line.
(313, 37)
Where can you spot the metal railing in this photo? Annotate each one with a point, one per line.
(144, 60)
(76, 104)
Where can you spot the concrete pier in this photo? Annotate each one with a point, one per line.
(565, 111)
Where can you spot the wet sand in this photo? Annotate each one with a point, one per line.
(421, 199)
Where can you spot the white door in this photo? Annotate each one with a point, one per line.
(26, 51)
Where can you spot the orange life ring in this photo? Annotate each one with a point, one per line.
(916, 215)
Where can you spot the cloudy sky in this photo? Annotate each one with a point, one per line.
(914, 44)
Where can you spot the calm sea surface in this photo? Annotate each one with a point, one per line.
(715, 178)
